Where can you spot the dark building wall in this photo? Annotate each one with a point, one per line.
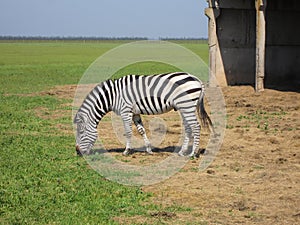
(283, 42)
(236, 37)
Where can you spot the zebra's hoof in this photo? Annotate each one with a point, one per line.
(150, 152)
(192, 156)
(180, 154)
(127, 152)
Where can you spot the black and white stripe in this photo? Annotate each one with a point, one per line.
(133, 95)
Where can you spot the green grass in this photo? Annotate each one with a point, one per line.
(261, 119)
(42, 180)
(145, 68)
(36, 66)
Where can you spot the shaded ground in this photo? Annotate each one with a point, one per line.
(255, 178)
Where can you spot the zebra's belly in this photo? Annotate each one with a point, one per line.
(153, 112)
(152, 109)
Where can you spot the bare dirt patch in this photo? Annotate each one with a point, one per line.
(65, 91)
(255, 178)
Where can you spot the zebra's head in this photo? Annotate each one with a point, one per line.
(86, 134)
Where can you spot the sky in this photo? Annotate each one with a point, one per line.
(104, 18)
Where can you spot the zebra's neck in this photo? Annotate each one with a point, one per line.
(98, 102)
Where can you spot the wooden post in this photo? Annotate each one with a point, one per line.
(260, 43)
(216, 68)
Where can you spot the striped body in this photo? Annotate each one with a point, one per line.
(133, 95)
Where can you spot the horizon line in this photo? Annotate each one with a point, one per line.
(42, 37)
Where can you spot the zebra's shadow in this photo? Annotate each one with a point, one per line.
(168, 149)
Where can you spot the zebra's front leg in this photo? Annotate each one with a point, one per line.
(139, 125)
(128, 132)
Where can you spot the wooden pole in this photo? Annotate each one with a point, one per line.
(260, 43)
(212, 12)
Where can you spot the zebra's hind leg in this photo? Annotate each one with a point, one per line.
(186, 140)
(196, 134)
(187, 135)
(139, 125)
(192, 128)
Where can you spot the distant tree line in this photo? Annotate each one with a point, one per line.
(83, 38)
(184, 38)
(192, 40)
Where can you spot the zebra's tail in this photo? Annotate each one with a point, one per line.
(204, 117)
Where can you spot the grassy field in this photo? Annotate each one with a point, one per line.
(42, 181)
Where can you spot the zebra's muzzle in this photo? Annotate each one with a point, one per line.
(79, 153)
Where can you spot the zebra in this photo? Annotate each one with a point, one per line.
(133, 95)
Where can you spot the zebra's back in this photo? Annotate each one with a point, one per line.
(155, 94)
